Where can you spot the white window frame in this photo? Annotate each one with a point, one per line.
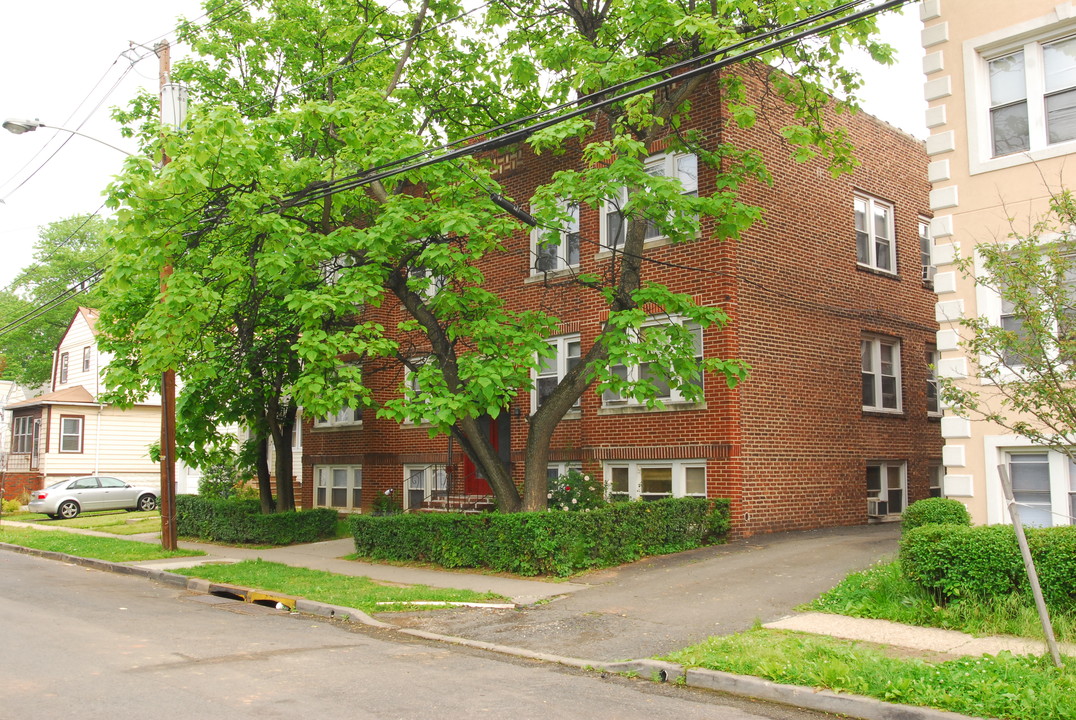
(324, 478)
(884, 491)
(556, 367)
(633, 471)
(936, 473)
(558, 244)
(871, 347)
(22, 435)
(932, 357)
(631, 372)
(86, 359)
(434, 476)
(871, 205)
(1028, 37)
(297, 431)
(557, 469)
(926, 250)
(65, 367)
(666, 164)
(66, 434)
(1062, 474)
(344, 417)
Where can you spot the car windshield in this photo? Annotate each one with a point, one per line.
(58, 484)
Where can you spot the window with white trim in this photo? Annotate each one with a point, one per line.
(1032, 96)
(881, 374)
(684, 167)
(887, 488)
(933, 401)
(338, 487)
(1030, 476)
(65, 360)
(22, 435)
(556, 470)
(654, 480)
(652, 372)
(875, 245)
(554, 250)
(423, 482)
(343, 416)
(553, 369)
(936, 474)
(70, 433)
(926, 249)
(86, 359)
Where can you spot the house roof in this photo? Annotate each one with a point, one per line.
(90, 315)
(76, 395)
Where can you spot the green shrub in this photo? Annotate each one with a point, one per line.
(983, 562)
(576, 492)
(545, 543)
(240, 521)
(385, 505)
(10, 506)
(221, 478)
(934, 511)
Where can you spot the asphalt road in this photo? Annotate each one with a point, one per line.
(82, 643)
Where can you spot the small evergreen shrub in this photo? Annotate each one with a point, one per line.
(934, 511)
(10, 506)
(241, 521)
(544, 543)
(983, 562)
(384, 504)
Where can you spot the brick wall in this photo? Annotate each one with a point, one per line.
(789, 446)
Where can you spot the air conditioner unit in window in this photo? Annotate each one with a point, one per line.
(877, 508)
(929, 271)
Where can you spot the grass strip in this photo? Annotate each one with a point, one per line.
(1002, 686)
(883, 592)
(89, 546)
(347, 590)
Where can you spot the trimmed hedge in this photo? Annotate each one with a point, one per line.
(960, 562)
(241, 521)
(934, 511)
(545, 543)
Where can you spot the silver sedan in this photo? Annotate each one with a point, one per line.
(67, 498)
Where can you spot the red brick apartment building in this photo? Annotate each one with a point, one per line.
(830, 304)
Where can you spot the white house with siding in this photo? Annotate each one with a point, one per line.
(67, 432)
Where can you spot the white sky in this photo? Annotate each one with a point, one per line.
(53, 55)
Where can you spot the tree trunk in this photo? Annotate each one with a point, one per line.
(281, 429)
(261, 467)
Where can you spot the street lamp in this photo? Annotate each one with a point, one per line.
(18, 126)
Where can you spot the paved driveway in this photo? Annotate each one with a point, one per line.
(662, 604)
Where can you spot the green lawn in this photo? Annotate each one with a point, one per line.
(1003, 686)
(89, 546)
(318, 585)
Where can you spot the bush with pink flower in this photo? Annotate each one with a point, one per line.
(576, 492)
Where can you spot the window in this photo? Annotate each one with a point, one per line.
(936, 473)
(875, 247)
(556, 470)
(554, 250)
(338, 487)
(64, 361)
(881, 374)
(657, 331)
(1030, 476)
(1033, 97)
(297, 431)
(926, 250)
(681, 166)
(886, 488)
(22, 435)
(424, 482)
(70, 434)
(343, 416)
(424, 282)
(1011, 321)
(933, 401)
(86, 359)
(553, 369)
(644, 480)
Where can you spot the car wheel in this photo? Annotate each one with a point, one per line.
(68, 509)
(147, 503)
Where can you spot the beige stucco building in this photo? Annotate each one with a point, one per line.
(1001, 87)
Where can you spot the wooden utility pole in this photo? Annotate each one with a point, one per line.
(168, 380)
(1029, 565)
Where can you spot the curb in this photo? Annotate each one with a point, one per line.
(855, 706)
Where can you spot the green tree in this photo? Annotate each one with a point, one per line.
(260, 248)
(1023, 375)
(66, 253)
